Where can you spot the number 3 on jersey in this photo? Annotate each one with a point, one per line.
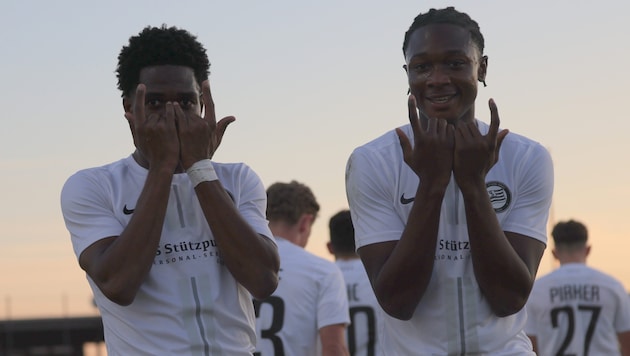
(277, 306)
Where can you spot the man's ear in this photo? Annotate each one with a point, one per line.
(127, 104)
(305, 222)
(407, 72)
(330, 248)
(483, 69)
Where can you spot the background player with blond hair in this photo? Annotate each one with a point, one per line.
(307, 315)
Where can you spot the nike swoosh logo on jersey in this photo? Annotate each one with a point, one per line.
(404, 200)
(127, 211)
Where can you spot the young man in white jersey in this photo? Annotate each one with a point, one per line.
(576, 309)
(174, 244)
(307, 315)
(449, 212)
(365, 313)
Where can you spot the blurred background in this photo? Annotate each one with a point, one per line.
(307, 82)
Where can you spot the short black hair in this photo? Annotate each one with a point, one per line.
(160, 46)
(569, 233)
(447, 15)
(288, 201)
(342, 232)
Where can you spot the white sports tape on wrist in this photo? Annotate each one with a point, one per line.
(201, 171)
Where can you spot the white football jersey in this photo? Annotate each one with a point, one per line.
(311, 294)
(453, 317)
(365, 312)
(189, 304)
(577, 310)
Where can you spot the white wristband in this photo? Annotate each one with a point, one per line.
(201, 171)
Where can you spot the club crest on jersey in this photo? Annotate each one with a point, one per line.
(500, 196)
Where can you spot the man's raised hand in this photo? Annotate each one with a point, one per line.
(154, 136)
(431, 156)
(200, 136)
(475, 154)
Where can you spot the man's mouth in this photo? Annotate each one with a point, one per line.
(442, 99)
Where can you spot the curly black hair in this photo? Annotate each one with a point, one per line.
(160, 46)
(288, 201)
(447, 15)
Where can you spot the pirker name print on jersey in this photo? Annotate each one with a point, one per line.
(574, 292)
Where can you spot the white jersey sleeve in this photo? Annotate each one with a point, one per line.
(530, 211)
(370, 175)
(88, 209)
(251, 200)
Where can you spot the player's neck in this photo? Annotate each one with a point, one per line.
(572, 259)
(346, 257)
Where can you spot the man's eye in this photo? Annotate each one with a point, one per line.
(153, 103)
(186, 103)
(421, 67)
(456, 64)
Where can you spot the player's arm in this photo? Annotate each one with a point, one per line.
(333, 339)
(400, 271)
(624, 342)
(251, 258)
(119, 265)
(505, 263)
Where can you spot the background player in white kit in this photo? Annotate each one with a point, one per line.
(365, 313)
(309, 309)
(576, 309)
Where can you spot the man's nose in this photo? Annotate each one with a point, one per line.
(438, 76)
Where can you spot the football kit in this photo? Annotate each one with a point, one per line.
(453, 316)
(190, 304)
(365, 312)
(311, 294)
(577, 310)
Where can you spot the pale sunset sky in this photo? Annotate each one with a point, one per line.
(308, 81)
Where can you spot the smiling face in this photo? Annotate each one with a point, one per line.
(443, 67)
